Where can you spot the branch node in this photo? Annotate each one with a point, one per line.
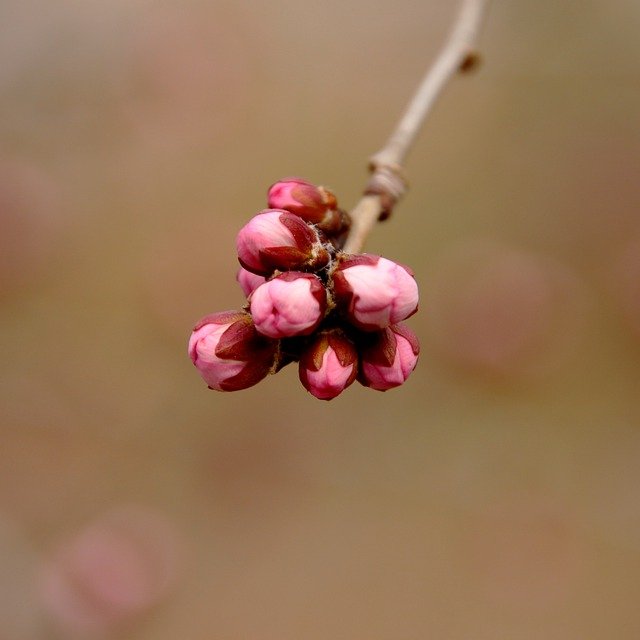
(387, 181)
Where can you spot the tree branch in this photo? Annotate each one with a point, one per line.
(387, 183)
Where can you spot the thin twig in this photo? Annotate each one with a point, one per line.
(387, 182)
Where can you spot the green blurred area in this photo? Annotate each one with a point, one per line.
(497, 493)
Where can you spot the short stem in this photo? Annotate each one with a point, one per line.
(387, 182)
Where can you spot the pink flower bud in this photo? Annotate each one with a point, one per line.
(389, 359)
(276, 239)
(248, 281)
(313, 204)
(329, 365)
(291, 304)
(374, 292)
(228, 351)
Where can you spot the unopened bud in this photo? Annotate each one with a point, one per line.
(229, 353)
(329, 365)
(276, 239)
(313, 204)
(388, 360)
(291, 304)
(248, 281)
(374, 292)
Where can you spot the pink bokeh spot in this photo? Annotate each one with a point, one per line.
(115, 569)
(500, 311)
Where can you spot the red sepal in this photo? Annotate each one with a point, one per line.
(220, 318)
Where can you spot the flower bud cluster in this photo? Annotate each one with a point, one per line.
(338, 315)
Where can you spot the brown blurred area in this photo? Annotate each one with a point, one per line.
(495, 495)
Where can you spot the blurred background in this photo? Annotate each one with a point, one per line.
(495, 495)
